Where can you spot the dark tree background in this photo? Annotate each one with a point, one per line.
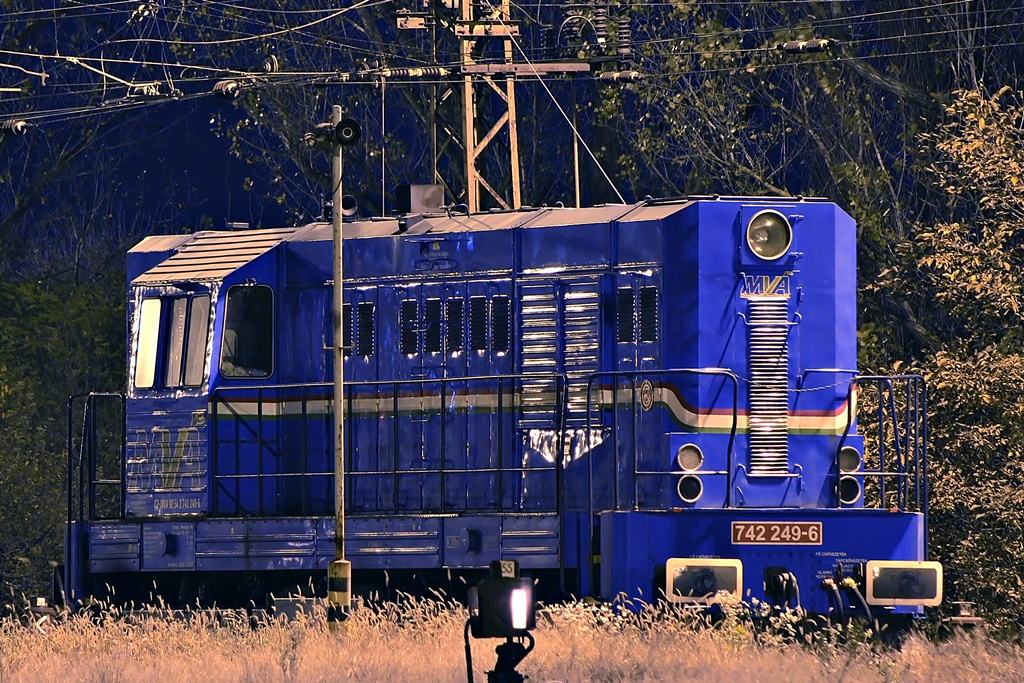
(912, 122)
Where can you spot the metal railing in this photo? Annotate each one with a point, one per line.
(85, 480)
(91, 493)
(253, 426)
(411, 406)
(901, 421)
(632, 378)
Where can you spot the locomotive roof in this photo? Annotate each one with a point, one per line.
(212, 255)
(207, 255)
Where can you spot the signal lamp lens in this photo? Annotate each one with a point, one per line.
(519, 603)
(689, 457)
(690, 488)
(849, 459)
(347, 132)
(502, 608)
(769, 235)
(849, 490)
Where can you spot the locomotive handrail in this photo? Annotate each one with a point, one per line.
(632, 376)
(910, 433)
(88, 449)
(911, 456)
(86, 460)
(406, 388)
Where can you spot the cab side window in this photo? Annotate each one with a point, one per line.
(247, 345)
(195, 343)
(149, 343)
(172, 338)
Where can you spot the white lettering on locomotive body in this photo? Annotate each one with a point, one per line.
(161, 505)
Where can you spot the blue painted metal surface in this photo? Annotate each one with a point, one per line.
(635, 544)
(520, 386)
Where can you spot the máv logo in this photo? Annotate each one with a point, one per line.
(765, 285)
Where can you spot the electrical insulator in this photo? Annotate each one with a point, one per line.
(621, 76)
(144, 90)
(601, 26)
(14, 127)
(547, 42)
(816, 45)
(623, 36)
(571, 33)
(226, 89)
(415, 72)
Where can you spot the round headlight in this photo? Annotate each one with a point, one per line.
(849, 459)
(849, 490)
(690, 488)
(690, 457)
(769, 235)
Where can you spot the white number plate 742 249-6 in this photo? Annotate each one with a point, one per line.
(776, 533)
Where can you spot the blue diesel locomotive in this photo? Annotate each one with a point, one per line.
(646, 401)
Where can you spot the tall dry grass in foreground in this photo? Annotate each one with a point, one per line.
(423, 641)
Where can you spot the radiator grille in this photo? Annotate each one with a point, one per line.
(769, 397)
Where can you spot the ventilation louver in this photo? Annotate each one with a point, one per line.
(769, 396)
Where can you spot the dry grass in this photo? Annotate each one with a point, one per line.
(423, 641)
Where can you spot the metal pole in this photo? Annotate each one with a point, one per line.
(340, 572)
(575, 148)
(513, 124)
(339, 356)
(469, 113)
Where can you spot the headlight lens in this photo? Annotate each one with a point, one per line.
(698, 581)
(849, 459)
(849, 490)
(894, 582)
(690, 457)
(769, 235)
(690, 488)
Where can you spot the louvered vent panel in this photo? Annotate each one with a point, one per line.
(346, 328)
(769, 385)
(478, 323)
(501, 314)
(455, 332)
(581, 328)
(538, 350)
(410, 336)
(648, 314)
(539, 342)
(432, 326)
(624, 314)
(365, 341)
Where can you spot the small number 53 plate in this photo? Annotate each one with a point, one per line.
(776, 533)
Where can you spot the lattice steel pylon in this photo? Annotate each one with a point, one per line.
(486, 36)
(471, 29)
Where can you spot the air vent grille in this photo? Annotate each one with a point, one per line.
(769, 386)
